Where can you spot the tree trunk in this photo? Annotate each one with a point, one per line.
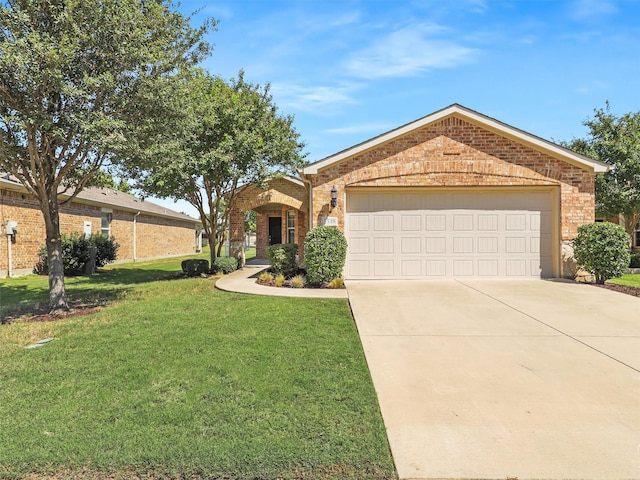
(57, 293)
(212, 248)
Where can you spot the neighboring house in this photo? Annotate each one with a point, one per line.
(142, 229)
(453, 194)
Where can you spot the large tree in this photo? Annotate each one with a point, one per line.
(236, 136)
(616, 141)
(84, 83)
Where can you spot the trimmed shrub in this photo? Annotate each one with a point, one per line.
(336, 283)
(325, 251)
(282, 258)
(194, 267)
(225, 264)
(602, 249)
(279, 280)
(299, 281)
(75, 253)
(635, 260)
(107, 249)
(265, 277)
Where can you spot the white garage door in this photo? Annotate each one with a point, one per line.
(448, 233)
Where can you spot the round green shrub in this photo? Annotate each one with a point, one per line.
(75, 253)
(194, 267)
(225, 264)
(282, 258)
(602, 249)
(325, 252)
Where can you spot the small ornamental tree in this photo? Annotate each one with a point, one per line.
(602, 249)
(325, 252)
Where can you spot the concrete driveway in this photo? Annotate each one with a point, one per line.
(495, 379)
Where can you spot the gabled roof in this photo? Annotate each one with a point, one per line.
(110, 198)
(475, 118)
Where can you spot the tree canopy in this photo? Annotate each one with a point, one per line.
(233, 135)
(616, 141)
(86, 83)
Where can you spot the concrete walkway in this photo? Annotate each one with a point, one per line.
(501, 379)
(244, 281)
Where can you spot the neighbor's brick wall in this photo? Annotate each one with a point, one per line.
(156, 237)
(453, 152)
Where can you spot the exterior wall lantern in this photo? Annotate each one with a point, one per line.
(334, 197)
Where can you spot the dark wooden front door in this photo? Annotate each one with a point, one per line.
(275, 230)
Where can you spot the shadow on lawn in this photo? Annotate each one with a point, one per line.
(102, 288)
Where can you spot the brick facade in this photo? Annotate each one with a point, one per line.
(452, 148)
(457, 153)
(155, 236)
(276, 199)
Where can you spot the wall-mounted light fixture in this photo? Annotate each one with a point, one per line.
(334, 197)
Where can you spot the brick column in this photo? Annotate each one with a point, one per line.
(236, 236)
(262, 235)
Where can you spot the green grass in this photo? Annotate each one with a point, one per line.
(630, 280)
(29, 293)
(176, 379)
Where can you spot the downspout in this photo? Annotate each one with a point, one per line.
(10, 266)
(135, 239)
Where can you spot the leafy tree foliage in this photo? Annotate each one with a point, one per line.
(616, 141)
(602, 249)
(232, 136)
(84, 83)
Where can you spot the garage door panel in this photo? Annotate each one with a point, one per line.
(359, 268)
(359, 245)
(383, 268)
(516, 268)
(411, 223)
(411, 267)
(463, 245)
(435, 223)
(462, 222)
(465, 234)
(436, 268)
(383, 223)
(410, 245)
(463, 268)
(359, 223)
(435, 245)
(488, 245)
(488, 223)
(383, 245)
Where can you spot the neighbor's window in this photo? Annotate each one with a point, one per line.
(291, 227)
(106, 224)
(637, 235)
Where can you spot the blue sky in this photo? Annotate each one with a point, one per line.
(351, 70)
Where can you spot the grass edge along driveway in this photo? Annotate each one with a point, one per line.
(175, 379)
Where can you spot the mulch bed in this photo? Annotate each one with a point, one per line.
(35, 317)
(635, 291)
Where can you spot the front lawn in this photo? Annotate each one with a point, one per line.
(629, 280)
(174, 379)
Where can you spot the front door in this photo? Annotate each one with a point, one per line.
(275, 230)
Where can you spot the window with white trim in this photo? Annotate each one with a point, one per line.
(105, 228)
(291, 227)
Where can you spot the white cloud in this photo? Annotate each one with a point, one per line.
(361, 128)
(591, 9)
(315, 99)
(408, 52)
